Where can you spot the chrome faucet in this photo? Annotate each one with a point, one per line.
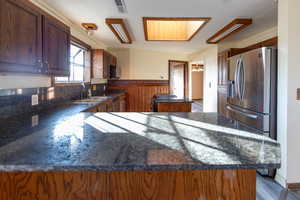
(82, 96)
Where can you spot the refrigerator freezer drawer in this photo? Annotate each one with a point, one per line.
(249, 118)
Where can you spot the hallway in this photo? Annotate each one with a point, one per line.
(197, 106)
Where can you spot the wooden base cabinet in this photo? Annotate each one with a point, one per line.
(130, 185)
(222, 100)
(174, 107)
(116, 105)
(31, 41)
(223, 71)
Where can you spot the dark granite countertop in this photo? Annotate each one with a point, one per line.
(67, 139)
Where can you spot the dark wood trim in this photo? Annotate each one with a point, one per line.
(245, 23)
(186, 76)
(145, 19)
(80, 43)
(110, 21)
(298, 94)
(293, 186)
(266, 43)
(143, 82)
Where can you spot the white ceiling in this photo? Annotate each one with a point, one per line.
(263, 12)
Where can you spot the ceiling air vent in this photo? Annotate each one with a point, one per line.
(121, 6)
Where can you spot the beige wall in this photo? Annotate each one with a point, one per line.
(209, 58)
(10, 80)
(139, 64)
(197, 85)
(288, 82)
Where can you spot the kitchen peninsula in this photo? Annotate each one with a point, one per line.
(171, 103)
(130, 156)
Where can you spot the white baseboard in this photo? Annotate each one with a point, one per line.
(281, 180)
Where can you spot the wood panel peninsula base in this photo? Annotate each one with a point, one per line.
(129, 185)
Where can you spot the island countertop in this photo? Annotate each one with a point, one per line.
(66, 139)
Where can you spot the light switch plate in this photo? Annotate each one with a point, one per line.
(34, 100)
(34, 120)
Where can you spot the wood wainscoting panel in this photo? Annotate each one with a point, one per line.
(140, 92)
(129, 185)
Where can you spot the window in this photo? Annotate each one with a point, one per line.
(78, 65)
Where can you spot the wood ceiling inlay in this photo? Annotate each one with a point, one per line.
(172, 29)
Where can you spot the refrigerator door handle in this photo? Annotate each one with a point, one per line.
(242, 113)
(236, 79)
(242, 80)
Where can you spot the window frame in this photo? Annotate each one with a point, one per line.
(82, 45)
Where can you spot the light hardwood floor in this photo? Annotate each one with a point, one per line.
(268, 189)
(197, 106)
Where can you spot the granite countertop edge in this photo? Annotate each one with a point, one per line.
(183, 167)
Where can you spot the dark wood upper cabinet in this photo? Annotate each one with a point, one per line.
(31, 41)
(56, 48)
(223, 68)
(20, 37)
(102, 60)
(223, 65)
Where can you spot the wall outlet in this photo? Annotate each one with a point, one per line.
(34, 120)
(34, 100)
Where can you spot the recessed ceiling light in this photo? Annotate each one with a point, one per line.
(172, 29)
(117, 26)
(230, 29)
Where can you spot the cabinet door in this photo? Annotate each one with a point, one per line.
(223, 65)
(106, 63)
(114, 61)
(222, 100)
(56, 47)
(20, 37)
(102, 107)
(122, 104)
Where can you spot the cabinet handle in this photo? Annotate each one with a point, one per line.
(47, 67)
(41, 63)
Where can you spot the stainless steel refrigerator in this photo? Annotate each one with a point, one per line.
(252, 90)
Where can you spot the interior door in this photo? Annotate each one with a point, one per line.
(21, 37)
(56, 47)
(178, 78)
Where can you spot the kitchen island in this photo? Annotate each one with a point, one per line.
(171, 103)
(130, 156)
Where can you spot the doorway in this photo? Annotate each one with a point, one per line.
(178, 78)
(197, 86)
